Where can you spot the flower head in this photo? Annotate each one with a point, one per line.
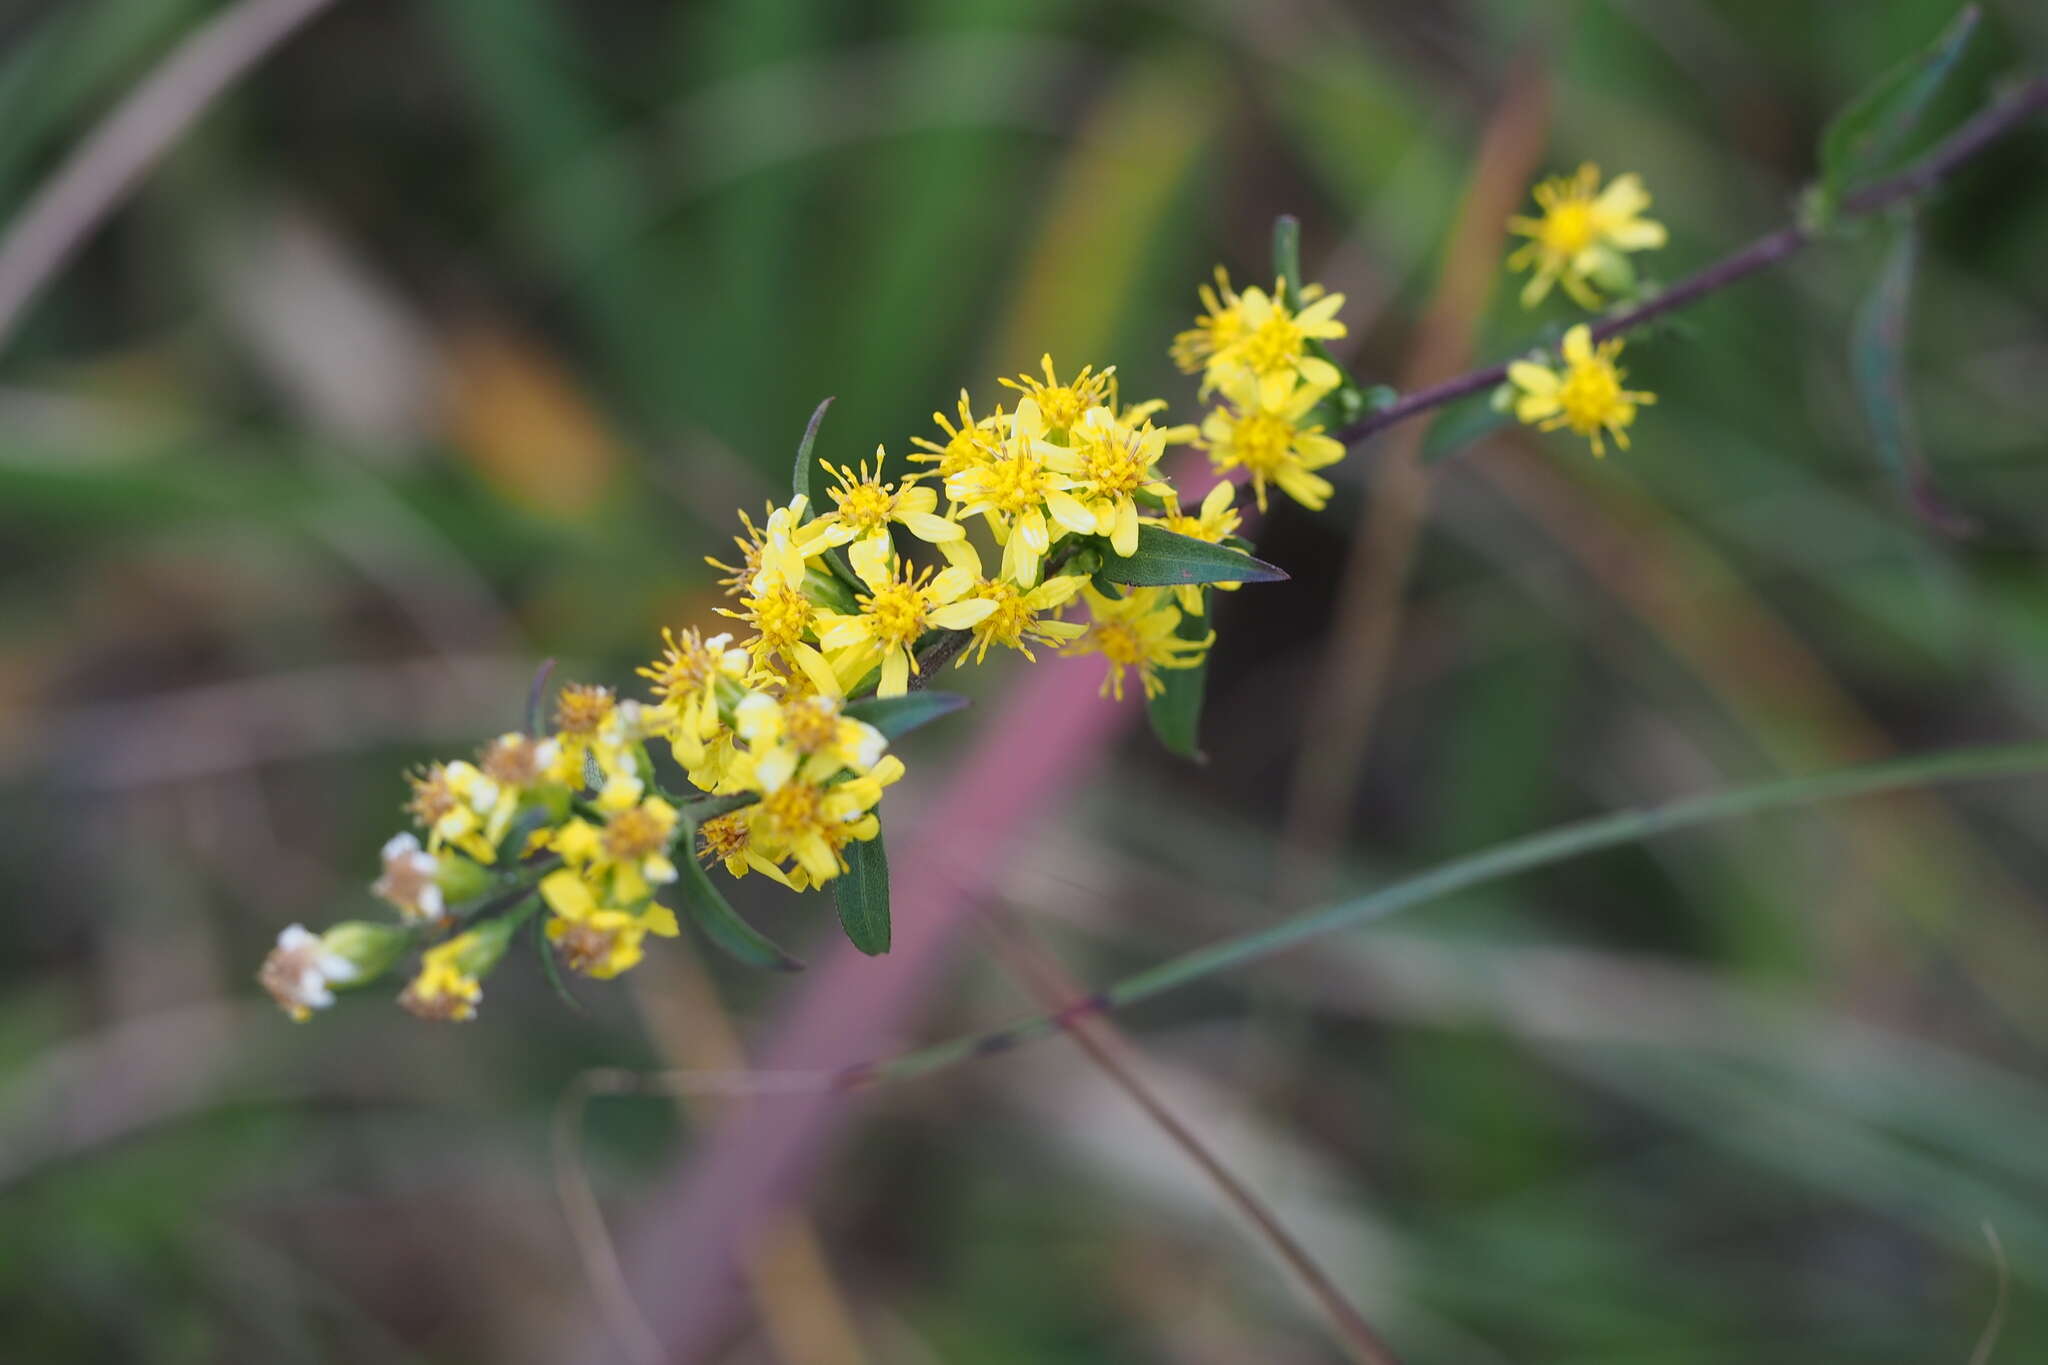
(863, 507)
(301, 971)
(1061, 405)
(1273, 346)
(686, 680)
(738, 576)
(899, 607)
(449, 983)
(1138, 632)
(1586, 395)
(1021, 617)
(1015, 489)
(1273, 440)
(802, 735)
(1220, 324)
(595, 937)
(457, 805)
(626, 856)
(1582, 234)
(407, 881)
(965, 446)
(1110, 461)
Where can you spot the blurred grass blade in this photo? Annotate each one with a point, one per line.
(1503, 860)
(1870, 129)
(1167, 559)
(1176, 713)
(895, 716)
(1877, 362)
(863, 895)
(718, 920)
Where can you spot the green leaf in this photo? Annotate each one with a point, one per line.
(800, 483)
(1176, 713)
(720, 923)
(863, 895)
(1857, 140)
(1287, 256)
(895, 716)
(1877, 362)
(1167, 559)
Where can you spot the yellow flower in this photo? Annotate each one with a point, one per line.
(454, 803)
(1061, 405)
(1585, 396)
(596, 938)
(1273, 346)
(1582, 234)
(1272, 440)
(811, 823)
(729, 839)
(447, 986)
(1015, 488)
(966, 445)
(781, 616)
(863, 507)
(803, 735)
(686, 679)
(626, 857)
(739, 576)
(1109, 462)
(785, 546)
(1137, 632)
(898, 608)
(1215, 521)
(1019, 619)
(1221, 323)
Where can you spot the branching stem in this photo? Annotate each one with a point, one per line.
(1766, 251)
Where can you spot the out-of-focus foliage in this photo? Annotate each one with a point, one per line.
(450, 341)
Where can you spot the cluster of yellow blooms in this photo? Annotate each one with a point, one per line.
(1041, 506)
(1582, 241)
(1051, 501)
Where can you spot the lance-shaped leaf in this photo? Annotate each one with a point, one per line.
(863, 895)
(1877, 361)
(800, 483)
(895, 716)
(709, 911)
(1176, 713)
(1873, 125)
(1167, 559)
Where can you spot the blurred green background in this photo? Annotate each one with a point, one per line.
(452, 338)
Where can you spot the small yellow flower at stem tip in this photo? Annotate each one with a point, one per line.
(1585, 395)
(1582, 235)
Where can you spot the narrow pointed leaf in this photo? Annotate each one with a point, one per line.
(1857, 141)
(863, 895)
(1167, 559)
(1176, 713)
(895, 716)
(709, 911)
(800, 483)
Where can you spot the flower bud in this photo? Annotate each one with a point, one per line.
(368, 948)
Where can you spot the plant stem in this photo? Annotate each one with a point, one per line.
(1766, 251)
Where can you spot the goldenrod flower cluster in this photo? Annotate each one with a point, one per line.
(1261, 355)
(1580, 240)
(1006, 531)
